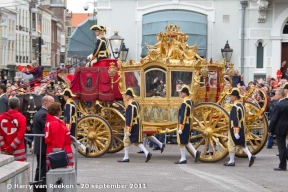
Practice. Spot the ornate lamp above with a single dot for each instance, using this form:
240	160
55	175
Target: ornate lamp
116	42
227	52
112	72
124	53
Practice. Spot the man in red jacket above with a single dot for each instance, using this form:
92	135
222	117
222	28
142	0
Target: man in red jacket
12	131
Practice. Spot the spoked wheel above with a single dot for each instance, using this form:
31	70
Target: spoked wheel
255	130
211	123
117	122
96	133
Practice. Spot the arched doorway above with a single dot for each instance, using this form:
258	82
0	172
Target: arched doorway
192	23
284	52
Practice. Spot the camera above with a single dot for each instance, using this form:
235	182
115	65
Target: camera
85	7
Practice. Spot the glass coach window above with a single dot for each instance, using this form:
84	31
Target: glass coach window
155	83
178	79
133	80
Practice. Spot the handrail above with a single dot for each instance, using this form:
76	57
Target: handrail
75	143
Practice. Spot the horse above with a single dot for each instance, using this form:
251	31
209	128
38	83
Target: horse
30	104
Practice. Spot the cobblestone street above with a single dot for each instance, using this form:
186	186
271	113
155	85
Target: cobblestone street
161	174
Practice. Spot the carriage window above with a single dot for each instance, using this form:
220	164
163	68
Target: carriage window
212	79
179	79
133	80
155	82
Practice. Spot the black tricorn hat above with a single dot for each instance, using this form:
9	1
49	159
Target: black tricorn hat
130	92
50	86
286	86
185	89
235	92
68	92
96	27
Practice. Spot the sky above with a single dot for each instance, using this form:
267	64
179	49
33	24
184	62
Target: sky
76	6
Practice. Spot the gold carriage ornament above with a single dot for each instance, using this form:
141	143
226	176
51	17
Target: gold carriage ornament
170	64
112	72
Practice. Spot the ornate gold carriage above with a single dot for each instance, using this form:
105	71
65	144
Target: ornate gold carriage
170	64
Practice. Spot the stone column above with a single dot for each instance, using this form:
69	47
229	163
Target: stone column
276	55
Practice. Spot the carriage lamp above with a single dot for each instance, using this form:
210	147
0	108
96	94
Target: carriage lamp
124	53
112	72
116	43
227	52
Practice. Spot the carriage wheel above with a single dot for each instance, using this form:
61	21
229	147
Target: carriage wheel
117	122
211	122
255	130
86	108
96	133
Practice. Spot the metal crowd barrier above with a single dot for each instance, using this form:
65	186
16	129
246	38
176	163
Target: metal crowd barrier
73	141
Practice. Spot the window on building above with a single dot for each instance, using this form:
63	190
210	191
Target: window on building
10	26
285	30
12	49
9	51
260	55
69	31
13	27
33	22
53	35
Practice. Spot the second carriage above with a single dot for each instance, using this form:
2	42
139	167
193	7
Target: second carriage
169	65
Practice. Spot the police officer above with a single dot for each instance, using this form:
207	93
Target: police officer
185	115
236	136
100	51
70	113
133	129
50	89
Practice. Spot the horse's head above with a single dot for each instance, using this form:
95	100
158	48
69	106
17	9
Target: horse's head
29	105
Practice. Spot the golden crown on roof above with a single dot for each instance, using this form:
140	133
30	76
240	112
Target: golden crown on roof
172	28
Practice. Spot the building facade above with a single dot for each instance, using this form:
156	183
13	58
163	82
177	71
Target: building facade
8	40
209	24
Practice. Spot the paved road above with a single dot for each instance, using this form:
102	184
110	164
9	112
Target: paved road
161	174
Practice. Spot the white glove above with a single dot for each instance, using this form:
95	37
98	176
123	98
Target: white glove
128	133
237	136
180	131
89	56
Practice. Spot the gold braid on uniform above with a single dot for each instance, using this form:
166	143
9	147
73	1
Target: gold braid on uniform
237	129
181	127
73	118
98	49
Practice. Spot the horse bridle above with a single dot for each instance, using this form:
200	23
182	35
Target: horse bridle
29	109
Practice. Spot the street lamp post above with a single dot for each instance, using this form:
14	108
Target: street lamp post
116	43
227	53
86	7
39	47
124	53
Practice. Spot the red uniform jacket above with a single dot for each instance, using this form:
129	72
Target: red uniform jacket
57	137
12	134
